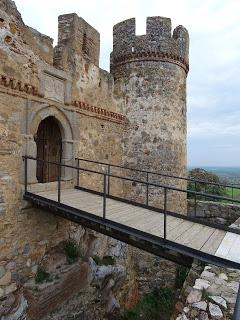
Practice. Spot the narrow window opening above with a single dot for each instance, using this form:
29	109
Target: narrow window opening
84	44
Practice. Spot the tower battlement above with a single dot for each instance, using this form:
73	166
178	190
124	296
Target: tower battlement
159	43
75	34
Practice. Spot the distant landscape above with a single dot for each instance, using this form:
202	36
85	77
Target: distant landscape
230	175
227	175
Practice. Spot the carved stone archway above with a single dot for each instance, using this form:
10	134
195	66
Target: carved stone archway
67	141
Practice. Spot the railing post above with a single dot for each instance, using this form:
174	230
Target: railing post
25	174
236	315
59	182
104	194
78	172
109	172
165	213
195	200
147	190
232	194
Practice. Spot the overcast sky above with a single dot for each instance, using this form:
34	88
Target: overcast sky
214	77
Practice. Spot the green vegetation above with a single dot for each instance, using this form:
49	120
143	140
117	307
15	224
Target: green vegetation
41	276
182	273
203	175
205	294
156	305
233	193
72	251
105	261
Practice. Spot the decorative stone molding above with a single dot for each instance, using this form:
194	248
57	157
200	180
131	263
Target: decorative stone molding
152	56
100	112
18	85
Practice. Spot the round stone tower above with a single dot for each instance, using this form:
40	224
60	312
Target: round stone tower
150	74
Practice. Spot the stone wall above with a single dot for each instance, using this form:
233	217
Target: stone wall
216	212
209	293
100	141
31	89
101	117
150	81
75	34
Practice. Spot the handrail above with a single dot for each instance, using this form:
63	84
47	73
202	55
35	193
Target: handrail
197	193
159	174
147	183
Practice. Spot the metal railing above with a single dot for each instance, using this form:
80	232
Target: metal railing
195	182
106	192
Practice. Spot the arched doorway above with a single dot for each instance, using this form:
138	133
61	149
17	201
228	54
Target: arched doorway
49	148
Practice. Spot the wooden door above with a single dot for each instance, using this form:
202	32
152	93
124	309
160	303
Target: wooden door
49	148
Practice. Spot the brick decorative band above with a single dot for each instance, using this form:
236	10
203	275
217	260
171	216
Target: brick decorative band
14	84
100	112
151	56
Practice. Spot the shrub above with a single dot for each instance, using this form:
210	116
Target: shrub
159	302
72	252
203	175
41	276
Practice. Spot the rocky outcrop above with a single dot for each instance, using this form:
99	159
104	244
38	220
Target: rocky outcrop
211	296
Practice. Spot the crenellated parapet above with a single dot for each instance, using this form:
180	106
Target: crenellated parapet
159	43
75	35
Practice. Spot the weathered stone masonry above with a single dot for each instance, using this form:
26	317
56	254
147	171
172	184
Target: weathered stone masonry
134	115
150	80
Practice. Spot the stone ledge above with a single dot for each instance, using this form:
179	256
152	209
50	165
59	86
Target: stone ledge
100	112
18	85
151	56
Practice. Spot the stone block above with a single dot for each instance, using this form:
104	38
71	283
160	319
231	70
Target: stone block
194	296
201	305
215	311
6	279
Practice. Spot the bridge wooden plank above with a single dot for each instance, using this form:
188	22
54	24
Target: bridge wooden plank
202	237
192	234
179	229
211	245
226	244
158	230
143	224
234	252
131	217
187	237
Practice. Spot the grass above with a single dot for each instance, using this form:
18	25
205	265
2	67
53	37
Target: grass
105	261
182	273
72	252
205	295
235	193
41	276
156	305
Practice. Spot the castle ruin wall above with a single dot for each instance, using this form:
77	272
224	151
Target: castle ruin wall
110	117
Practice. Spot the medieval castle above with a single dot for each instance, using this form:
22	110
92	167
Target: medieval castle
56	104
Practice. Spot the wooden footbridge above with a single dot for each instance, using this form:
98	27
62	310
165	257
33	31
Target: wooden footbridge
167	234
